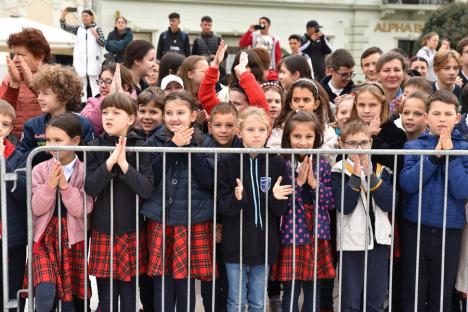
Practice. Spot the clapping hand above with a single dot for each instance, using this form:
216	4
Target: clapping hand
238	190
182	136
281	191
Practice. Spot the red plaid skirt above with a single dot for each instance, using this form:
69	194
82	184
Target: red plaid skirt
67	271
201	253
283	269
124	266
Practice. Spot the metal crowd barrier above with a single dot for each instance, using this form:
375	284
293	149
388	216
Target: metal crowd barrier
217	152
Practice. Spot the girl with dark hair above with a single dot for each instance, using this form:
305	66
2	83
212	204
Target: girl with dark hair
309	96
139	58
420	64
179	131
292	68
118	40
106	80
114	181
58	197
305	130
169	65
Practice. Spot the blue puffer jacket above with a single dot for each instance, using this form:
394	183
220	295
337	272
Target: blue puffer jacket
34	132
177	182
433	184
16	203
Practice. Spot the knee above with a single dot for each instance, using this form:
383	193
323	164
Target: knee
45	297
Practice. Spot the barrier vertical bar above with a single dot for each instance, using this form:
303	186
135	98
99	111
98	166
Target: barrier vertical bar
163	279
340	263
30	231
241	217
293	282
111	277
366	250
189	230
3	194
137	238
316	208
444	232
418	236
59	212
390	284
267	188
215	196
85	208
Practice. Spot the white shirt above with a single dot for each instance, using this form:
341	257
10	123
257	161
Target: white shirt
69	169
335	90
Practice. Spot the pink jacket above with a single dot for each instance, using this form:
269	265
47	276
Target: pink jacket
92	111
44	199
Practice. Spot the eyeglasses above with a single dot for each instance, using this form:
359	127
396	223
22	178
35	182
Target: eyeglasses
106	81
356	144
346	75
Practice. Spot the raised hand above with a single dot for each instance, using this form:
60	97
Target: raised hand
364	162
15	76
311	180
26	72
242	66
303	171
116	85
54	175
182	136
281	191
114	157
219	54
238	190
374	126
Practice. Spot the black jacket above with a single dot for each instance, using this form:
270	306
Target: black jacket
126	186
331	96
389	137
177	42
253	205
202	182
316	50
206	44
116	44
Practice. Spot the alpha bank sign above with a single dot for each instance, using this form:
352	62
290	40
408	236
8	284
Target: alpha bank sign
401	27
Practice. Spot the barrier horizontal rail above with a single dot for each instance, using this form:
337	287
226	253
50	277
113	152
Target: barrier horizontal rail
217	151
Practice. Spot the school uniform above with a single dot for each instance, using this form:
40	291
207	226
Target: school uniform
356	221
176	267
58	274
389	137
126	187
305	240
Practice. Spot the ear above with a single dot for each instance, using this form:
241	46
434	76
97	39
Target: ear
76	140
296	75
189	74
193	116
131	120
340	142
209	127
458	118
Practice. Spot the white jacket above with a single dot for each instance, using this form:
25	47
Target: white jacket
352	227
87	53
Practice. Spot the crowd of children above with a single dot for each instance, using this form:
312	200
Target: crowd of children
297	221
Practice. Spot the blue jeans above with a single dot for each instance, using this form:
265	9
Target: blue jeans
253	287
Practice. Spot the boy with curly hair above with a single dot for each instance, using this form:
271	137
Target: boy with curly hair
58	91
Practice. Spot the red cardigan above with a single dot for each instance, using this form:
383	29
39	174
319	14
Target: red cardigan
207	90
